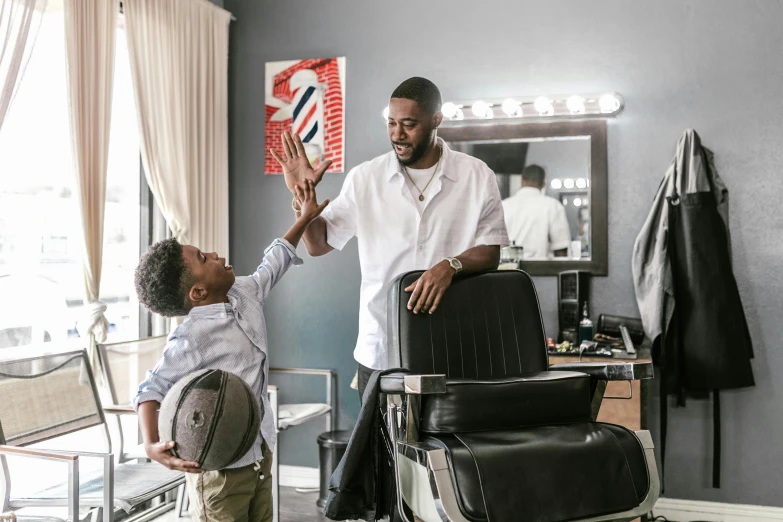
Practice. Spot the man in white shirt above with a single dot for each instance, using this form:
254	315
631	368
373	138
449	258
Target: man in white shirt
535	221
421	206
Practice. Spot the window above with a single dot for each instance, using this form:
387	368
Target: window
40	227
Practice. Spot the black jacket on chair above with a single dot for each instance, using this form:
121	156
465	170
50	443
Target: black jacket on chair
362	486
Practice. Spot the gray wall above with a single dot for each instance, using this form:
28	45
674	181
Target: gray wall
712	65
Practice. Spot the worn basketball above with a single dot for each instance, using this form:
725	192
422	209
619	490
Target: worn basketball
213	416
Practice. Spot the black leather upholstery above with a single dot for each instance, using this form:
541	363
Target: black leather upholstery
535	399
465	472
518	438
487	326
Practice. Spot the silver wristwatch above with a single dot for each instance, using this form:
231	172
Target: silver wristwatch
454	263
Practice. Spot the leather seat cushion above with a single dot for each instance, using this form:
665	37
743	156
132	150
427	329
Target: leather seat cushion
533	399
604	463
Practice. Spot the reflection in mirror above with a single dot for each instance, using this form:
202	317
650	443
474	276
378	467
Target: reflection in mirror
545	184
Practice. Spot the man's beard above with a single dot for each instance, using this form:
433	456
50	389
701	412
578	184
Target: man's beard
417	153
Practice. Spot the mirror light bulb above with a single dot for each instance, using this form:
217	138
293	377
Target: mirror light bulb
543	106
449	110
386	114
557	184
512	107
609	103
576	105
577	202
581	183
568	183
482	110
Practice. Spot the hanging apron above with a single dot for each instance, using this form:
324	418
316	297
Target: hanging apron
708	345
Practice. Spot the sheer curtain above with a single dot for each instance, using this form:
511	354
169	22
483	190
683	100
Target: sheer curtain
90	27
19	24
179	60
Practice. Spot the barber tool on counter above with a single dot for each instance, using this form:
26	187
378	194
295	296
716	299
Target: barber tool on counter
615	336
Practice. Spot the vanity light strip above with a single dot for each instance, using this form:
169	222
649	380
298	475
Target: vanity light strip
538	108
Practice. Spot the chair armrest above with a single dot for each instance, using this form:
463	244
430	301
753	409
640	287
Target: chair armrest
609	371
412	384
90	454
72	460
119	409
37	453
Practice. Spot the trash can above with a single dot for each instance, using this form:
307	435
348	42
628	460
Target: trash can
331	448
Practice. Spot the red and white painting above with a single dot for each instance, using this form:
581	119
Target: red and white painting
307	97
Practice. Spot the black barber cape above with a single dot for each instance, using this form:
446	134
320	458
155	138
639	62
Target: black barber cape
362	486
704	343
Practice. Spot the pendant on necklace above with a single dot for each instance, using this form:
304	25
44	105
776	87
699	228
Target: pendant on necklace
421	197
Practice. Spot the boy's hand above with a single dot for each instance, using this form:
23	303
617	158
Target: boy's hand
309	209
161	452
296	166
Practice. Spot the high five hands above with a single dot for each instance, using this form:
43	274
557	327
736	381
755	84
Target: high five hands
296	166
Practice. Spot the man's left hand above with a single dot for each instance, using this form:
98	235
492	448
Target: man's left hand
428	290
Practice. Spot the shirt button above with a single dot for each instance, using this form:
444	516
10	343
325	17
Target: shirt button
421	247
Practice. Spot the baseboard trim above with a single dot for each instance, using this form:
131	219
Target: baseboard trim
299	477
677	510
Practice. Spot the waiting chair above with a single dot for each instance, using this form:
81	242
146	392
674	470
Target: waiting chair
484	430
124	366
53	395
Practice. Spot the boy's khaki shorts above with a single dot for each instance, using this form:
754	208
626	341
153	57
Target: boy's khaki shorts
232	494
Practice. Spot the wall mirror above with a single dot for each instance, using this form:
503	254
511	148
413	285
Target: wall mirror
553	179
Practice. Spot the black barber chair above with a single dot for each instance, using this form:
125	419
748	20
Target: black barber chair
486	431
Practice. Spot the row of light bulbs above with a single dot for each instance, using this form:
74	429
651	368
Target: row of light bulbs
543	106
578	202
569	183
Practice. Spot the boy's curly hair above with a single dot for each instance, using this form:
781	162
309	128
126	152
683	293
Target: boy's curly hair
163	279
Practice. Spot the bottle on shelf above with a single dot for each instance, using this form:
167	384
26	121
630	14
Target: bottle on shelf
585	326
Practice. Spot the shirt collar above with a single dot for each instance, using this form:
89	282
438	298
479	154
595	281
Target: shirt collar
212	310
528	191
446	168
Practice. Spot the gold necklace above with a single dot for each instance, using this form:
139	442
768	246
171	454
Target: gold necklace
421	191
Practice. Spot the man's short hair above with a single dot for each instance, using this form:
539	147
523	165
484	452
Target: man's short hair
422	91
163	280
534	174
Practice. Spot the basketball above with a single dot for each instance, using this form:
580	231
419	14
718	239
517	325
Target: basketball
212	416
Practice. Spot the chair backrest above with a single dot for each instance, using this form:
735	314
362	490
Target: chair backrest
125	364
486	326
47	396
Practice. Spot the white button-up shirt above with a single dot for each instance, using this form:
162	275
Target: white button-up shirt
462	209
537	223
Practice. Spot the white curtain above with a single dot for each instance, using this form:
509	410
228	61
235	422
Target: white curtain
19	24
90	27
179	62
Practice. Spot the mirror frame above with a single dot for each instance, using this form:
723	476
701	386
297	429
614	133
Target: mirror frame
596	130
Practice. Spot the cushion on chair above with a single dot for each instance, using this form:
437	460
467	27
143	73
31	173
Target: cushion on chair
295	414
534	399
559	472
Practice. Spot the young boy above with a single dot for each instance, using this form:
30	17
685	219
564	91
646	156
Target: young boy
224	330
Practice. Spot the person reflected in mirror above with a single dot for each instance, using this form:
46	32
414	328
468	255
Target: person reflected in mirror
535	221
583	228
